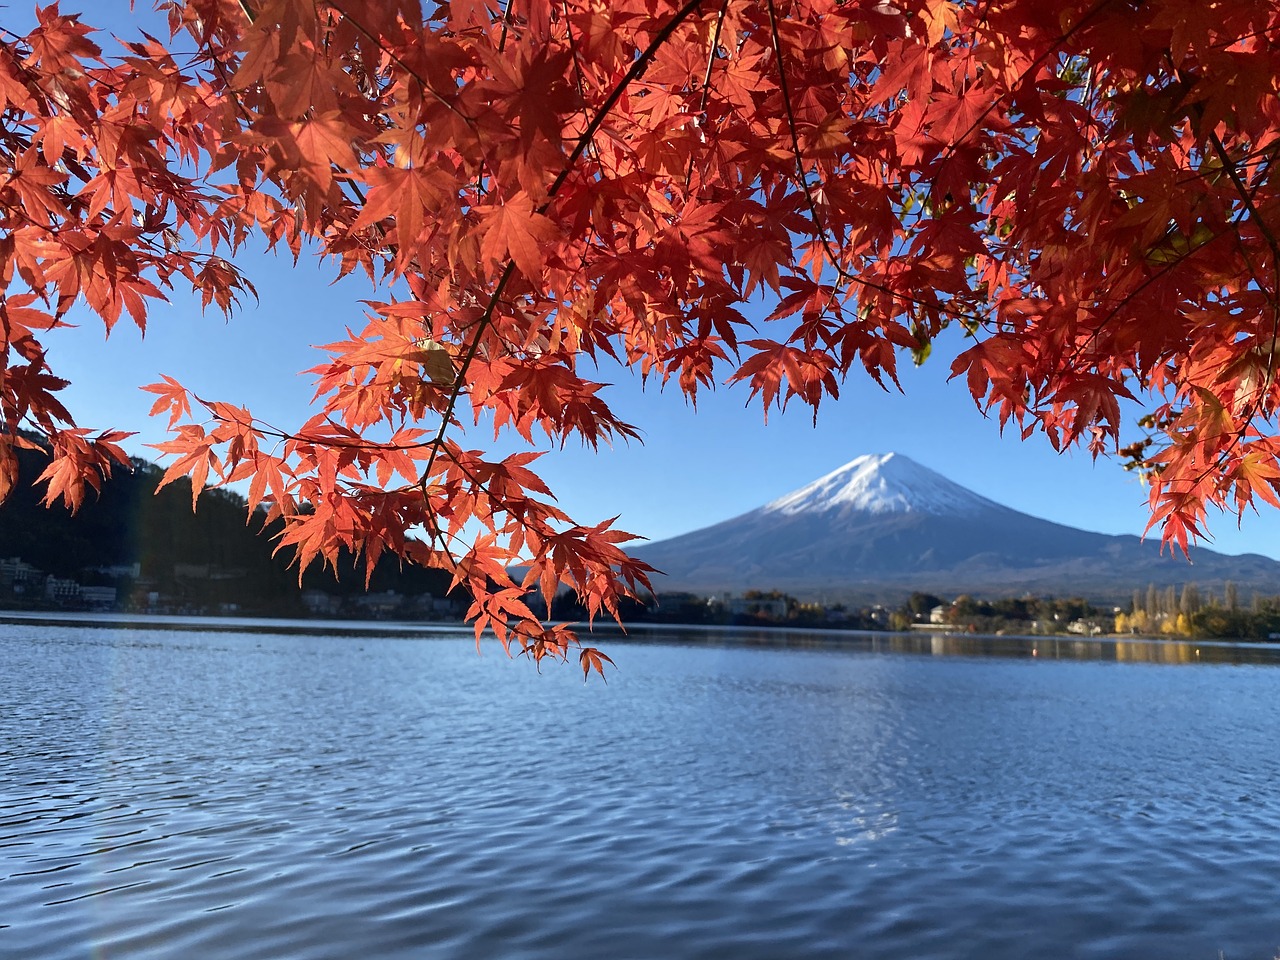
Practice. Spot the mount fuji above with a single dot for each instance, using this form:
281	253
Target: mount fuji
882	526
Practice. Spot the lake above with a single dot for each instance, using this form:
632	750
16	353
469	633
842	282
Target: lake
256	793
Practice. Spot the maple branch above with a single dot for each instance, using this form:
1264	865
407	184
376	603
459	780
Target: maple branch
458	383
946	156
802	178
1245	194
264	429
222	71
706	83
573	50
822	233
1034	65
577	70
635	71
637	68
1246	197
506	23
1224	44
422	82
439	98
1165	269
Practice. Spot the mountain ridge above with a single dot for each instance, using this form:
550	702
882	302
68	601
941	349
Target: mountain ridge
883	526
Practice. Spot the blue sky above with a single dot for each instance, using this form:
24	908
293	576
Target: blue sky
693	469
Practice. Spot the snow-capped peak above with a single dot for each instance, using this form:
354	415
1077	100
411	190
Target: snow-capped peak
881	483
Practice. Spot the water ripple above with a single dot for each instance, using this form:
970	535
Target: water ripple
256	795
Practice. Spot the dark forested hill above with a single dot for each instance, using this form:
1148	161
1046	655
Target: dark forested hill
145	542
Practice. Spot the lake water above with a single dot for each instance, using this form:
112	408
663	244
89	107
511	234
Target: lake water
171	793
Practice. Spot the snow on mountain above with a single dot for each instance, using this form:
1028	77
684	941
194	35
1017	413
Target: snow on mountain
882	526
881	483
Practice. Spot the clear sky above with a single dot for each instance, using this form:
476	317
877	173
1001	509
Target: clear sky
692	470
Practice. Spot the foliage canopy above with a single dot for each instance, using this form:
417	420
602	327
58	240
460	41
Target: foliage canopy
1085	187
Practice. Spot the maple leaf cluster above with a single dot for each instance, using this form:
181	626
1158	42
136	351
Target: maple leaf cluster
1083	188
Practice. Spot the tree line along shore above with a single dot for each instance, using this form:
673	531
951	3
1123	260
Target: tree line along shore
1184	612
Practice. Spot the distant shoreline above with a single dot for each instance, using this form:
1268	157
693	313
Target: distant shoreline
954	644
171	621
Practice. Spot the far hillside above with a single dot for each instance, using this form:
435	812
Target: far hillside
157	553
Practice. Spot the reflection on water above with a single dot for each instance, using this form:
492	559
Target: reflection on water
945	644
171	793
1062	648
920	642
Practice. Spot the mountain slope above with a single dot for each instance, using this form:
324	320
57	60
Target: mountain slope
882	526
